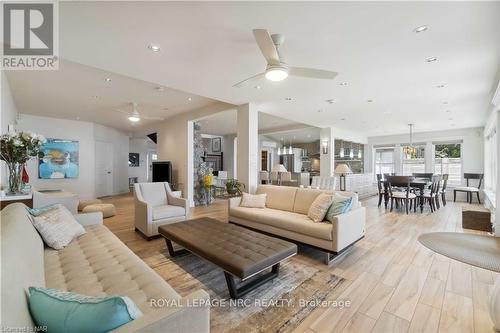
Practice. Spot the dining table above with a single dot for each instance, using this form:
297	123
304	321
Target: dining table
420	183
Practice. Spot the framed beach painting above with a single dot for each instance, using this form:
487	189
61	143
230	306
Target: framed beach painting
59	159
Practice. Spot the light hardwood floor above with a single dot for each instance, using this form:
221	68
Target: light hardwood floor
394	283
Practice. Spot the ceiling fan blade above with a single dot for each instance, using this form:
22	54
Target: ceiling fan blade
266	46
250	79
312	73
152	118
121	111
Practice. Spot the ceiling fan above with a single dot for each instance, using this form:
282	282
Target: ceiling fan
135	116
277	69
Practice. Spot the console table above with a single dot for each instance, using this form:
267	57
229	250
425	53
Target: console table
26	199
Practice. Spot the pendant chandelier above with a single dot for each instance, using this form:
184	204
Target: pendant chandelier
410	150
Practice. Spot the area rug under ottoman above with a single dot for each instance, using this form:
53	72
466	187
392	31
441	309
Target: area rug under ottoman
277	306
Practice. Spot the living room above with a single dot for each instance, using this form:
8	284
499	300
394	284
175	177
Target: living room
242	167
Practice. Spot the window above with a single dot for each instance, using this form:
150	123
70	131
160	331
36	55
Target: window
414	162
154	157
448	160
384	160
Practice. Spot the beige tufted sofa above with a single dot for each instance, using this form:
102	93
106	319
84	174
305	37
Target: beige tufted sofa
96	263
285	216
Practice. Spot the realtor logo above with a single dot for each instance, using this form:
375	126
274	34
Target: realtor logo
29	36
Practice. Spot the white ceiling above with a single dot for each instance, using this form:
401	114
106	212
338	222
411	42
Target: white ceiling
303	135
81	92
224	123
207	47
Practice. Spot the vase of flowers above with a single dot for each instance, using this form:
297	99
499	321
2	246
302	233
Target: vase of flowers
15	150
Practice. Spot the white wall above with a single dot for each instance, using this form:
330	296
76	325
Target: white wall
228	148
8	114
86	134
141	146
472	145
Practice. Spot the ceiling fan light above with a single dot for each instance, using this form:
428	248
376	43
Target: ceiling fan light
276	74
134	118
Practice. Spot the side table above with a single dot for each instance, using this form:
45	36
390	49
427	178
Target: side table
26	199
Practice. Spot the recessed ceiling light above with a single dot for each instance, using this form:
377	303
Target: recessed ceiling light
422	28
448	111
288	98
134	118
343	83
331	101
445	102
319	111
108	79
342	119
440	86
189	99
450	118
257	87
154	47
160	88
431	59
369	100
95	96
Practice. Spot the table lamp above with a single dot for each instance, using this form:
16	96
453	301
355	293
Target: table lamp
279	168
342	169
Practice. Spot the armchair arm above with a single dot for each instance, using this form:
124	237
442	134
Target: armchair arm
175	201
88	219
143	215
348	227
233	202
192	314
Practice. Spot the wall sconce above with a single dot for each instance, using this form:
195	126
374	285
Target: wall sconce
324	145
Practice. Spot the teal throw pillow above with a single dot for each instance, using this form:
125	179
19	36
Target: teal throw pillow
39	211
62	311
340	205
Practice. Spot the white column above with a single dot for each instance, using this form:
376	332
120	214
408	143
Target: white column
497	208
429	157
247	148
327	160
189	188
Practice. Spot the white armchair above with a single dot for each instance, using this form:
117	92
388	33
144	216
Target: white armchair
155	205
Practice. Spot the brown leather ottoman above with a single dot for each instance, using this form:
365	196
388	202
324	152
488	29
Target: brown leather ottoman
240	252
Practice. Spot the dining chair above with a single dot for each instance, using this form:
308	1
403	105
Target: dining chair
405	197
470	190
381	191
431	195
274	176
442	192
264	177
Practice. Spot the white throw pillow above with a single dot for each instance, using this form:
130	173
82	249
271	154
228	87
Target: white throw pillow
320	206
57	227
253	200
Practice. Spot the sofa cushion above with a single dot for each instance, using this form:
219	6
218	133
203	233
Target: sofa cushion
320	206
278	197
63	311
154	194
99	264
285	220
253	200
167	211
304	199
340	205
57	227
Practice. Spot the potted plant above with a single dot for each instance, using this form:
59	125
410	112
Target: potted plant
16	149
234	187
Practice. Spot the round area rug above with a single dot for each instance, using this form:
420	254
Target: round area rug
477	250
